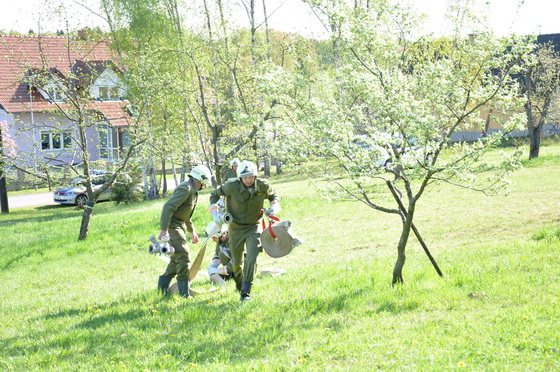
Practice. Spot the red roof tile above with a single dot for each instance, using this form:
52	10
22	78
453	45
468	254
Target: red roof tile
19	55
115	112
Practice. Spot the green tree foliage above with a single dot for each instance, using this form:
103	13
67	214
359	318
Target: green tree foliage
201	94
388	111
148	38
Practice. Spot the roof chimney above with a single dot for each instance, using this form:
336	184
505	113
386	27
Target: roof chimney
83	33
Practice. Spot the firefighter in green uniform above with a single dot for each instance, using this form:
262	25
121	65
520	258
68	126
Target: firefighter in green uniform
175	221
232	171
244	201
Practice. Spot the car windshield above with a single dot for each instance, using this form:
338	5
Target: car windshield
78	180
94	180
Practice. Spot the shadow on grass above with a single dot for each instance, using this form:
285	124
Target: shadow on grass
339	303
184	330
20	257
394	308
540	161
287	178
213	328
62	212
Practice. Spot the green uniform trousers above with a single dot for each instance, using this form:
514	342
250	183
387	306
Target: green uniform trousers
239	237
179	261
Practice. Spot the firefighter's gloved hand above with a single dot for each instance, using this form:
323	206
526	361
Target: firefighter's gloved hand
274	208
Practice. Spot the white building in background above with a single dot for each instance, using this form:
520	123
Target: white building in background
36	73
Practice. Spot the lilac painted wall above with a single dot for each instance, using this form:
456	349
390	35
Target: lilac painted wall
28	139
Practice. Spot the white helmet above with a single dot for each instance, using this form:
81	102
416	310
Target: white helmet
247	168
214	230
234	162
201	173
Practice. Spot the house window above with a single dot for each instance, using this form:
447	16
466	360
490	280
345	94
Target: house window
51	140
109	93
54	94
108	143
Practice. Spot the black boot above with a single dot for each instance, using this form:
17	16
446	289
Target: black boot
183	286
245	290
237	279
163	284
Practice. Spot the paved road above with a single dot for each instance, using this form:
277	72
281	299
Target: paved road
45	198
31	200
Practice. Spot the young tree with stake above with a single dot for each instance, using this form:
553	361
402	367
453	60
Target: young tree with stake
388	115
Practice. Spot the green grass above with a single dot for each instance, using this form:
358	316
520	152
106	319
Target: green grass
29	191
71	305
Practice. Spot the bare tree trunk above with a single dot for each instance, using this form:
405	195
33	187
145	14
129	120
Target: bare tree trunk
88	209
216	151
266	165
251	14
174	173
187	141
267	31
150	180
487	124
184	172
184	169
535	124
86	219
401	257
218	174
153	181
414	229
217	115
3	190
535	133
3	193
535	127
163	177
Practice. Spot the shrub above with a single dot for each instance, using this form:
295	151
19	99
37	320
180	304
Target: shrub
127	188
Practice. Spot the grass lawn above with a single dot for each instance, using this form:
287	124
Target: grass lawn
29	191
70	305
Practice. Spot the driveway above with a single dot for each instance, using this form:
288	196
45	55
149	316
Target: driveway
31	200
46	198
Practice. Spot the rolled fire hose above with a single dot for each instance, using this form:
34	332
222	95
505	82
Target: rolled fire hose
276	240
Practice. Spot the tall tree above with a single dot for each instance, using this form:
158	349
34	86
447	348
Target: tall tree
388	114
540	88
214	85
147	36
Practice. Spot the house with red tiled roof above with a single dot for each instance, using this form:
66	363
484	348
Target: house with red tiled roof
50	84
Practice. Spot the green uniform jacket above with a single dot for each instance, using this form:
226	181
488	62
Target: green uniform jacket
230	173
245	207
180	205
